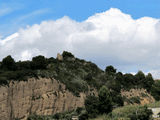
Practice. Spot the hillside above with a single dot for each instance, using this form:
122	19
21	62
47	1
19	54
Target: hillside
136	96
46	86
37	96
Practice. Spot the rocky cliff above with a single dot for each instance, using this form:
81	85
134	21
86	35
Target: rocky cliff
40	96
137	96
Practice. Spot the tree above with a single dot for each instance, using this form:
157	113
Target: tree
83	116
140	76
117	99
8	63
129	81
155	90
142	113
105	100
148	82
23	65
39	62
120	80
110	69
91	105
66	54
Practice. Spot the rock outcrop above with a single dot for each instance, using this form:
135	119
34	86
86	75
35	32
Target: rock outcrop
137	96
59	57
36	96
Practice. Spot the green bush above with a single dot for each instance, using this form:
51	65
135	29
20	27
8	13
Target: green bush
142	113
83	116
23	65
66	54
105	100
39	62
155	90
91	105
99	105
3	80
110	70
135	100
8	63
132	112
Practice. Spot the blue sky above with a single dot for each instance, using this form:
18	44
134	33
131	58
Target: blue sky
16	14
111	37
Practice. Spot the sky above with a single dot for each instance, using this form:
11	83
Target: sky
122	33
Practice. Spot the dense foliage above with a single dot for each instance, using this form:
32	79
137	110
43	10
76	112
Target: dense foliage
131	112
92	105
155	91
99	105
76	74
61	116
105	100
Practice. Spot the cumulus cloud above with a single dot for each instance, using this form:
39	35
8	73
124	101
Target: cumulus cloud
111	37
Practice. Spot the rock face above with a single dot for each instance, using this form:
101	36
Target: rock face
133	95
36	96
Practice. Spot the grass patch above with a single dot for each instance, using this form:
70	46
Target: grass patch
154	105
129	112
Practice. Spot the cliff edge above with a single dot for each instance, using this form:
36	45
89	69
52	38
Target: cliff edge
41	96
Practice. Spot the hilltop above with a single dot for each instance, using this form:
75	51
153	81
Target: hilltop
41	84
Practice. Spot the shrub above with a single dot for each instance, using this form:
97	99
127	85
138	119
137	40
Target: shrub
105	100
8	63
39	62
66	54
91	105
83	116
135	100
155	91
142	113
79	110
3	80
132	112
22	65
35	117
117	99
110	69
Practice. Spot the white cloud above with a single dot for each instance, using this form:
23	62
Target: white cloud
155	73
9	38
111	37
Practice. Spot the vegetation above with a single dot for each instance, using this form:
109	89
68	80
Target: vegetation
80	75
92	105
131	112
75	73
39	62
154	105
155	91
60	116
99	105
105	100
8	63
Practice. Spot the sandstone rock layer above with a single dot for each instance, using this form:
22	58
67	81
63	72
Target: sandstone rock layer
36	96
